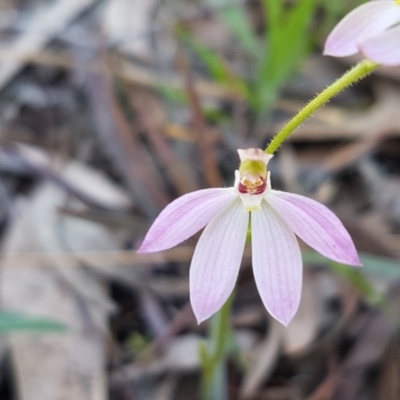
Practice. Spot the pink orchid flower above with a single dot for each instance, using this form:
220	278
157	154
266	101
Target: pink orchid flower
275	219
372	29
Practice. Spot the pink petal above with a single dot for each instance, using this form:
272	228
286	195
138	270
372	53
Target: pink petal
316	225
277	263
363	22
384	48
184	217
216	260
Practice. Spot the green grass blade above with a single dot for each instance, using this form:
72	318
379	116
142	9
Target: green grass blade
287	42
10	322
216	65
235	16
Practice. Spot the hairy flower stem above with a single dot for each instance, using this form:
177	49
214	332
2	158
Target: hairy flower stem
358	72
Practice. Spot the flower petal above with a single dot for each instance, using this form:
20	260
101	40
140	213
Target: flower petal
216	260
277	263
184	217
363	22
316	225
383	48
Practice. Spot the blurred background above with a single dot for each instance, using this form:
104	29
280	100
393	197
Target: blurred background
109	110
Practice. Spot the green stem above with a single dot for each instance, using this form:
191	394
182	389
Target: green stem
358	72
220	329
214	358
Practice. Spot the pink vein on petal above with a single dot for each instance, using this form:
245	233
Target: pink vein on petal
316	225
277	263
184	217
216	260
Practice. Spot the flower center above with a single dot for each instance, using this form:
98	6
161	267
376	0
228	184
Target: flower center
398	2
258	187
253	174
252	183
251	179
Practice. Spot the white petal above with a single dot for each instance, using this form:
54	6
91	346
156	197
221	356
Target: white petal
363	22
316	225
216	260
277	263
184	217
384	48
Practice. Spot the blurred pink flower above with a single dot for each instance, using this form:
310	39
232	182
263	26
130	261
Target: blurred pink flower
275	219
371	29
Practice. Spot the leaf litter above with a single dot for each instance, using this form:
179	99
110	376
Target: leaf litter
103	122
